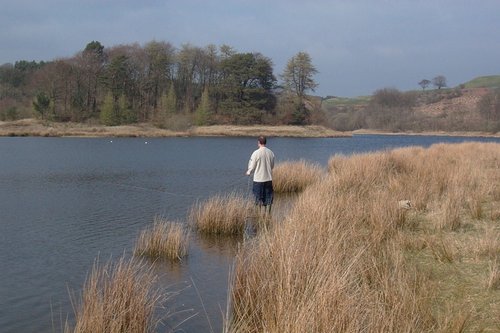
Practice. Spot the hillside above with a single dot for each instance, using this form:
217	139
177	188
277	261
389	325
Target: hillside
454	109
490	81
466	101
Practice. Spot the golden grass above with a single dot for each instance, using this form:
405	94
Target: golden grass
35	127
312	131
295	176
118	297
221	214
164	239
488	245
348	259
494	275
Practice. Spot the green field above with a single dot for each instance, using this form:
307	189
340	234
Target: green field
346	101
490	81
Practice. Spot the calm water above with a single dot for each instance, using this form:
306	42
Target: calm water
66	201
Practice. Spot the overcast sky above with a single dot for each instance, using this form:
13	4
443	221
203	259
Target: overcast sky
357	46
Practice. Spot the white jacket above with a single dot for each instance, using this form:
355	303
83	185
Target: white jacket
261	163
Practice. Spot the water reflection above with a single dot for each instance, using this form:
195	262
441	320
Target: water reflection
219	245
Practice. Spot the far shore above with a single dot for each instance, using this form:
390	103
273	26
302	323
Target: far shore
41	128
436	133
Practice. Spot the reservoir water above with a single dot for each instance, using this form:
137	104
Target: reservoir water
64	202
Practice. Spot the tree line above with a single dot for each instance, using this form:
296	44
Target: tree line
161	84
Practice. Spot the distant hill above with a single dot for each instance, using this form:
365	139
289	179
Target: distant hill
461	108
490	81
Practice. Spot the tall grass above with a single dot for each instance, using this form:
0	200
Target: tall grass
118	297
494	275
488	246
348	259
164	239
295	176
222	214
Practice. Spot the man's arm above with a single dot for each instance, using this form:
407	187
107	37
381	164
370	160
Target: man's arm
251	164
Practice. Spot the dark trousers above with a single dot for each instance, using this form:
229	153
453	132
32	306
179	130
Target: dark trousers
263	192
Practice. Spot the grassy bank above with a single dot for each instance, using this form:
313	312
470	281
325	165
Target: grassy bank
295	176
34	127
434	133
280	131
349	259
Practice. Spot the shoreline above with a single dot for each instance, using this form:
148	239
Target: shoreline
39	128
428	133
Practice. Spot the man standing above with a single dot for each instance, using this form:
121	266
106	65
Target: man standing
261	164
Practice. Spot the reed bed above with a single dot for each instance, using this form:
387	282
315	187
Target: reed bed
295	176
164	239
222	214
118	297
348	259
494	276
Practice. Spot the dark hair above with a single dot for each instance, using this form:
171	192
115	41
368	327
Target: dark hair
262	140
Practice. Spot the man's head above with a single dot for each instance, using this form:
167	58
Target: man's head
262	140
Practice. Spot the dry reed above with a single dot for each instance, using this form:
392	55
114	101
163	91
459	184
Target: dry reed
34	127
347	259
221	214
164	239
494	275
118	297
290	177
441	249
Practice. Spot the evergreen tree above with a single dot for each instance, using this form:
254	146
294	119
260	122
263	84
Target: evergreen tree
127	115
167	107
42	104
161	114
108	114
171	101
203	111
246	90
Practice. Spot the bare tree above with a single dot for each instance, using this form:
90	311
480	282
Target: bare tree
424	83
298	74
439	81
298	79
160	57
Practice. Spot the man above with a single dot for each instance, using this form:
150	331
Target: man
261	164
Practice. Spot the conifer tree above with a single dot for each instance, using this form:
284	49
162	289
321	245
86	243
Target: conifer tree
166	108
42	104
203	110
108	114
126	114
171	100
